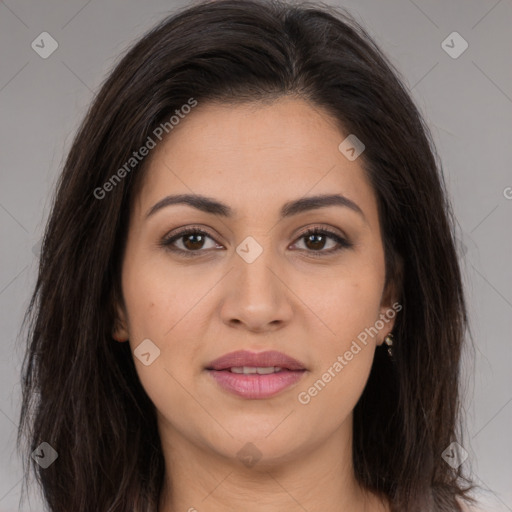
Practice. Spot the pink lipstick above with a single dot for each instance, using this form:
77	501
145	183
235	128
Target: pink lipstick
256	375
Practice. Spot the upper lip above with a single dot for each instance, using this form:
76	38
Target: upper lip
255	359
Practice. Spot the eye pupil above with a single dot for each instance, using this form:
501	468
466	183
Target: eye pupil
192	236
312	238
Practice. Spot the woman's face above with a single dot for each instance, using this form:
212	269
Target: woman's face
254	282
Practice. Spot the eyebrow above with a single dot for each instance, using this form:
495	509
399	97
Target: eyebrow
212	206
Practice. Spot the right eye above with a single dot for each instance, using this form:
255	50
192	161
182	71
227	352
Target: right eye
192	240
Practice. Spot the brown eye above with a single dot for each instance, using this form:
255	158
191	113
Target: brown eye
192	241
316	239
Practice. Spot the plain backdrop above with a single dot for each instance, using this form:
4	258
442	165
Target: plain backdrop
467	102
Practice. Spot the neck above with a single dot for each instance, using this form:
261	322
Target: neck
319	478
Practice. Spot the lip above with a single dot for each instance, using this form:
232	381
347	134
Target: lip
255	359
256	386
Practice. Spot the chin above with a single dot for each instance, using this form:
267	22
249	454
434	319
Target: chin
267	447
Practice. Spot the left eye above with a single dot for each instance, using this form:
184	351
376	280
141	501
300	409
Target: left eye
317	237
192	241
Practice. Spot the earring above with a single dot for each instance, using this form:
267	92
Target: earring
388	340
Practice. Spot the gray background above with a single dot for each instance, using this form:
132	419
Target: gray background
467	102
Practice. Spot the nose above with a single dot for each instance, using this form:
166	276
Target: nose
257	296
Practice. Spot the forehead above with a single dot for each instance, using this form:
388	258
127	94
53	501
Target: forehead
255	155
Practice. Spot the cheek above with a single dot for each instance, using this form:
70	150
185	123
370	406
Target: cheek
349	308
161	318
159	298
344	354
330	395
163	306
346	302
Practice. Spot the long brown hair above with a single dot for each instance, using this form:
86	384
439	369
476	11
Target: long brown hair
81	393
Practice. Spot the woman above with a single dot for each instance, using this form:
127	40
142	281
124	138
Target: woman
249	296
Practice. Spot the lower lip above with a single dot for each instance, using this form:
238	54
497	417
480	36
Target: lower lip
255	386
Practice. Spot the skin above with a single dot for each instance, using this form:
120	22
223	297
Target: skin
254	158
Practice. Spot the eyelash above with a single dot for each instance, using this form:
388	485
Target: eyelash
167	242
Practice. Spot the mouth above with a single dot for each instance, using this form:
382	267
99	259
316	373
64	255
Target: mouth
256	375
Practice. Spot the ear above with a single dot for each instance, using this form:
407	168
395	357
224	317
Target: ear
390	305
120	329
